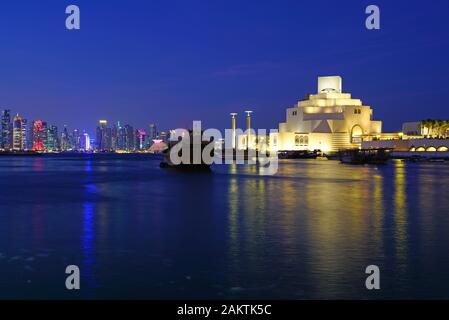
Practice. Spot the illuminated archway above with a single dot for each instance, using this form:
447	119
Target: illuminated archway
412	149
431	149
420	149
356	134
443	149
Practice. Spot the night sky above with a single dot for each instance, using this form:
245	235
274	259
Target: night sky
170	62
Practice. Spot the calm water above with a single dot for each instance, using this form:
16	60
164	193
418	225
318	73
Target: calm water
138	231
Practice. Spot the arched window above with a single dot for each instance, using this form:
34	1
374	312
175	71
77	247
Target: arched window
306	140
443	149
356	134
297	141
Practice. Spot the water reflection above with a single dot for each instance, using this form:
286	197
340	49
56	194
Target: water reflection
88	234
324	219
307	232
400	214
88	246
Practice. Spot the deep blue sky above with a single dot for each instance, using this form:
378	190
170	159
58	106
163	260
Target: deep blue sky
169	62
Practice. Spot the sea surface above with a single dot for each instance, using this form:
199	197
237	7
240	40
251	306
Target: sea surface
137	231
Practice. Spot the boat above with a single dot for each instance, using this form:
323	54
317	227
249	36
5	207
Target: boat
298	154
365	156
167	162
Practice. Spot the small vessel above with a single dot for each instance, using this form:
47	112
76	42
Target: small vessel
365	156
322	156
298	154
190	165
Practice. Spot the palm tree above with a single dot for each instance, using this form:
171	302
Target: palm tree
433	126
423	125
438	127
428	124
445	128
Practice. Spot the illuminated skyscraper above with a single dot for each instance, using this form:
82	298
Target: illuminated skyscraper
29	137
25	134
136	140
85	142
18	134
141	139
65	140
39	135
129	138
6	132
52	139
104	137
152	134
115	136
76	140
121	139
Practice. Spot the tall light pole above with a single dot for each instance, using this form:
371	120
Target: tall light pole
234	127
248	128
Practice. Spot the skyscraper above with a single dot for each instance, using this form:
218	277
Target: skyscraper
115	136
52	139
129	138
65	140
29	137
141	139
136	139
24	134
152	133
121	139
6	132
104	137
39	135
76	140
85	142
18	134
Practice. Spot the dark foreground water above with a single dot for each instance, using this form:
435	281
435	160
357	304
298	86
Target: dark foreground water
138	231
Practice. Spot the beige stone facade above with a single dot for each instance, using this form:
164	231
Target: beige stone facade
328	121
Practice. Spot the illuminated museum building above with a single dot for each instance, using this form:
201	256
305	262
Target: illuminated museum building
328	121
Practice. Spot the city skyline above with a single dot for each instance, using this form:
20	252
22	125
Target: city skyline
18	133
202	61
